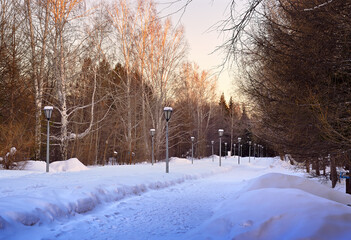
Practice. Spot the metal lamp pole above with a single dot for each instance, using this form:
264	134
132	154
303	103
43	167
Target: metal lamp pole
48	112
152	132
259	152
239	139
192	149
220	132
262	151
254	151
212	142
225	150
234	149
249	150
168	112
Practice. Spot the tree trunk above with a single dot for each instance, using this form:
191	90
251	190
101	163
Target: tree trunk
317	168
348	184
307	164
333	173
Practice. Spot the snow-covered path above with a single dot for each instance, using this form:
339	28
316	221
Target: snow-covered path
159	214
264	199
168	213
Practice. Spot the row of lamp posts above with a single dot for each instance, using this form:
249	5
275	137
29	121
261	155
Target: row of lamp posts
168	113
220	133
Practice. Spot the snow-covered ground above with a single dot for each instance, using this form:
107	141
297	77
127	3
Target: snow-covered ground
264	199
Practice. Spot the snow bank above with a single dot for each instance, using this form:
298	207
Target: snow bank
276	205
278	180
35	166
70	165
39	197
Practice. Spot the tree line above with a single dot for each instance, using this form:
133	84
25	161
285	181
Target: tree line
108	70
295	57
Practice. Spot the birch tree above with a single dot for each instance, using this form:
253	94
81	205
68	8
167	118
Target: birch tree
37	19
67	18
151	50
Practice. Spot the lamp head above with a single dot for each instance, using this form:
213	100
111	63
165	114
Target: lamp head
48	112
168	112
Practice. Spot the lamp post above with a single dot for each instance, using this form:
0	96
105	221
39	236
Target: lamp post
239	140
234	149
152	132
212	142
168	112
220	133
48	112
115	153
225	150
249	150
259	150
192	149
262	151
254	150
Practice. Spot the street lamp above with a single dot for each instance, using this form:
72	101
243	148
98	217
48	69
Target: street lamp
192	149
48	112
249	150
220	133
212	142
168	112
239	140
225	150
152	132
115	153
258	150
262	151
254	150
234	149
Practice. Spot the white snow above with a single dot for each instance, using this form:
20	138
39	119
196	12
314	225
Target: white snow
13	150
48	108
264	199
70	165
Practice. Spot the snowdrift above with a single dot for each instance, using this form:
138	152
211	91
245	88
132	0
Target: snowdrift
278	180
69	165
276	205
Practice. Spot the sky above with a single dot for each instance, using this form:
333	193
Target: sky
200	19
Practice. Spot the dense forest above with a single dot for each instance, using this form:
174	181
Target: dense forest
295	59
108	70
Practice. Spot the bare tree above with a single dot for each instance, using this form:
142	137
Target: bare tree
38	12
195	98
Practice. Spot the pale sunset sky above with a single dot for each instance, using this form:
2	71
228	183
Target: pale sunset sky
200	19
